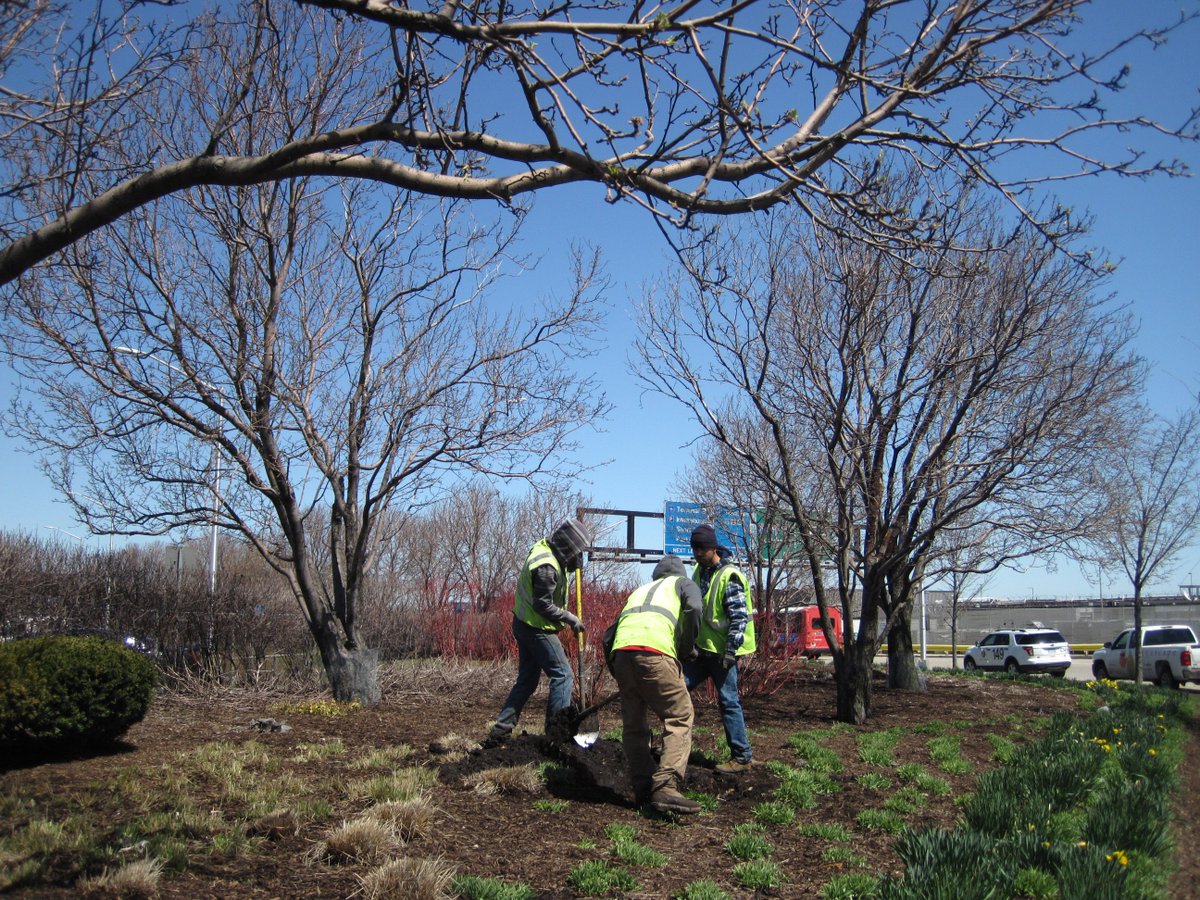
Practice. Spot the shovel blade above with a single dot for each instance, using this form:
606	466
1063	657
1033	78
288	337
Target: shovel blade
586	740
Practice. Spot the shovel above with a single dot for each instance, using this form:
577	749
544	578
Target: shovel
583	740
587	738
569	721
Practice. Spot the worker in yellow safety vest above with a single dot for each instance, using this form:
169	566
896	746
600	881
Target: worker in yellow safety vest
655	633
726	635
539	613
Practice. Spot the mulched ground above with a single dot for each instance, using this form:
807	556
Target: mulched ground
507	836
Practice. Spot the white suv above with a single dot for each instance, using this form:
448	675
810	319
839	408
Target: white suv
1021	650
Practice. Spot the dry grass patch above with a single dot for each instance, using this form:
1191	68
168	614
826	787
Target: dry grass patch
361	840
452	744
133	880
505	780
274	825
404	784
410	819
320	750
410	879
383	757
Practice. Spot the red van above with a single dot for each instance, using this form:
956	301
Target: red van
800	629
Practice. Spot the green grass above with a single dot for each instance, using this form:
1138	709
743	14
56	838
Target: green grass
799	788
635	854
875	781
829	831
206	804
708	802
851	886
1003	748
629	850
877	748
702	890
774	812
906	801
473	887
758	874
596	878
814	756
912	773
880	820
748	842
617	833
843	856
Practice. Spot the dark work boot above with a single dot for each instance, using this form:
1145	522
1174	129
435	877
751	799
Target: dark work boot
669	800
495	738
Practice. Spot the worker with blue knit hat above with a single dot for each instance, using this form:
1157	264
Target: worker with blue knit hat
726	635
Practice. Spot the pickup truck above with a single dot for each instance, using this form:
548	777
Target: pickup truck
1170	656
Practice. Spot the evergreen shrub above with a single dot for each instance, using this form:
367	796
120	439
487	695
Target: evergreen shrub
70	692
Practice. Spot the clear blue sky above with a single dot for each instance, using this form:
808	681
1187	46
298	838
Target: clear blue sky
1153	228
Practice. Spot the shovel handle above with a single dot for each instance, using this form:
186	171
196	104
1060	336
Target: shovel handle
579	608
579	637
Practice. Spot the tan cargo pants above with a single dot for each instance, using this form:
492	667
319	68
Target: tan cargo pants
652	682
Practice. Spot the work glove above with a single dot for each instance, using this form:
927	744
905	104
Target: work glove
574	621
729	660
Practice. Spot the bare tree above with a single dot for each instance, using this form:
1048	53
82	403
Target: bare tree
963	560
727	110
1153	508
721	483
338	351
892	393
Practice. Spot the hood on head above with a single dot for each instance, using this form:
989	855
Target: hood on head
569	541
669	565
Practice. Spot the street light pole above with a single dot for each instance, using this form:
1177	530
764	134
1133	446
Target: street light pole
64	531
216	464
216	488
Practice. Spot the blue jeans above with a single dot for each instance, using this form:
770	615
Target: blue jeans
707	666
538	652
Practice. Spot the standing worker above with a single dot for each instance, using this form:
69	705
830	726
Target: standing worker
726	632
539	613
656	631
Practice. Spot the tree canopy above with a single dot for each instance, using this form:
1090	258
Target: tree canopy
685	109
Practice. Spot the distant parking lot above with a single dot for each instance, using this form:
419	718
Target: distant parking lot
1080	670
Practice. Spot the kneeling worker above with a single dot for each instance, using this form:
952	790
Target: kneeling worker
655	632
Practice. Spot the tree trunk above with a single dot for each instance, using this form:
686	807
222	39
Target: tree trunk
854	684
1137	634
954	632
903	672
353	674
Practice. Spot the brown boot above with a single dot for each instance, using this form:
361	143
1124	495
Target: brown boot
733	767
669	800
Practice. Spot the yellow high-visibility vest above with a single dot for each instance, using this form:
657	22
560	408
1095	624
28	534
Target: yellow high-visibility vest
539	555
650	617
714	626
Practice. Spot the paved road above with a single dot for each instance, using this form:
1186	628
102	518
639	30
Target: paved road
1081	667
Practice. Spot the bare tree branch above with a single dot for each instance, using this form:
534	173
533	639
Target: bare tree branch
723	112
